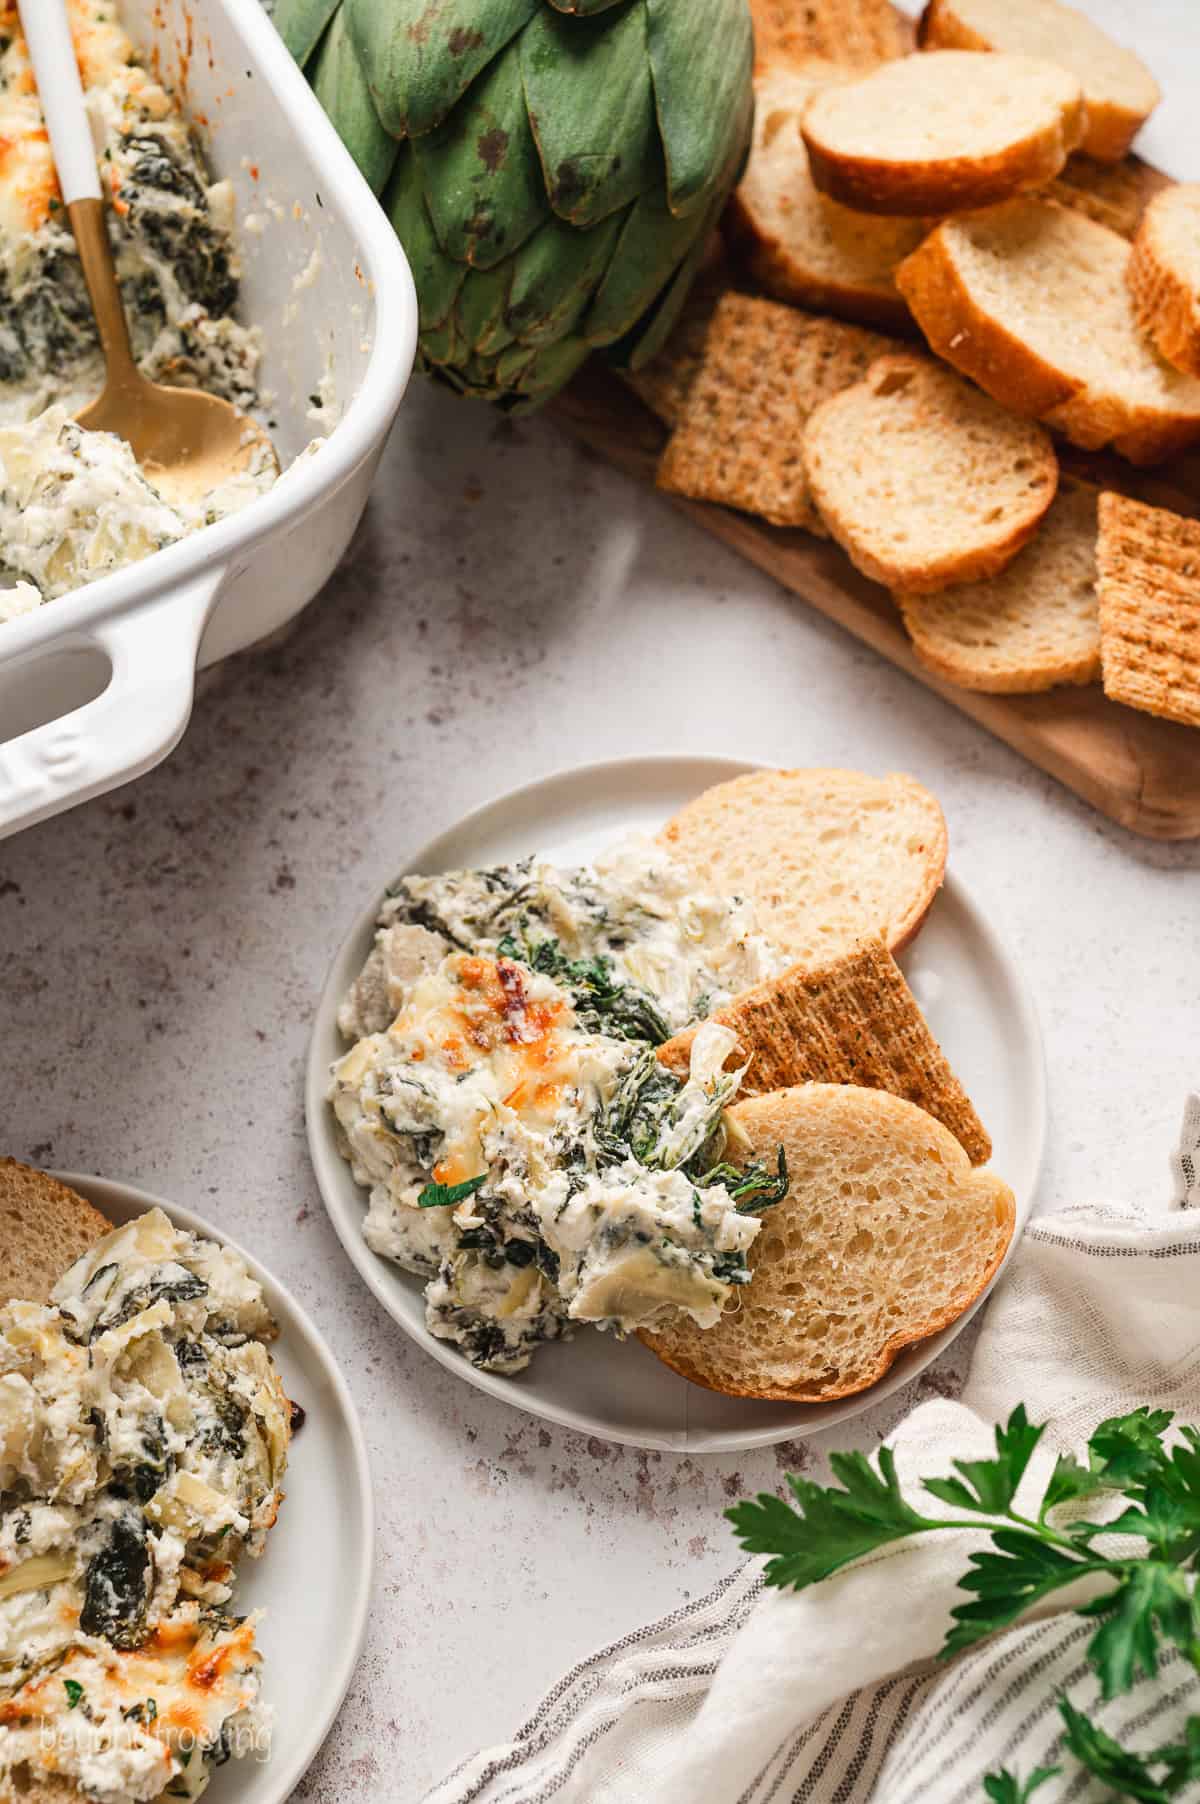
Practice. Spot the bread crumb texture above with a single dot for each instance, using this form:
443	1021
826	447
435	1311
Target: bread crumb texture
1031	301
797	244
44	1227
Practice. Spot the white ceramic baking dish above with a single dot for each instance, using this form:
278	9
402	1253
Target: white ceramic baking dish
96	688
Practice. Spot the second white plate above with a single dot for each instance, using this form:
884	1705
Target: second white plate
968	986
313	1581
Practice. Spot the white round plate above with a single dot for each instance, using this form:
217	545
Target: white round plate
313	1581
965	981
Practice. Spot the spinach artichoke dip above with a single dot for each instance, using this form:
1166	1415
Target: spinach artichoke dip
73	504
143	1437
524	1150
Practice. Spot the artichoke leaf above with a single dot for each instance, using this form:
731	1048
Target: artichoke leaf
481	310
423	55
341	87
443	344
591	106
582	8
480	170
650	333
301	24
648	336
653	242
701	55
552	367
555	276
437	280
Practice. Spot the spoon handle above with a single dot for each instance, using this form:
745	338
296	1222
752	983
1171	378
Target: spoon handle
60	91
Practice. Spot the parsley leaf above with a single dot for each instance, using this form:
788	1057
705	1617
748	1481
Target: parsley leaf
831	1527
441	1196
74	1691
1023	1570
1151	1599
990	1485
1127	1773
1005	1788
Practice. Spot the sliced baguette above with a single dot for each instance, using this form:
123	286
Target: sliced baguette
797	244
856	33
44	1228
1031	301
1149	583
886	1236
854	1022
924	481
1034	626
1164	275
1119	91
944	131
828	858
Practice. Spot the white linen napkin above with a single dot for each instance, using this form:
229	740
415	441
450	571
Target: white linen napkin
755	1696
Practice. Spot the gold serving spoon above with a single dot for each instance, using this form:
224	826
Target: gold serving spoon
186	441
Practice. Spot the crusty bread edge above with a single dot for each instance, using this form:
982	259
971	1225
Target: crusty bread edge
1076	672
773	268
943	184
971	565
889	1353
86	1217
1166	306
910	923
969	339
1109	129
1006	368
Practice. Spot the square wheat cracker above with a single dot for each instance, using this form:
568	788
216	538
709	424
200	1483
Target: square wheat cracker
666	381
857	33
854	1022
764	367
1149	587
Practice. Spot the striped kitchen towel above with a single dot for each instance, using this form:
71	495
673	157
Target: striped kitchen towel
833	1695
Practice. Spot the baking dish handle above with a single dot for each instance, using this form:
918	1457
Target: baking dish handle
128	729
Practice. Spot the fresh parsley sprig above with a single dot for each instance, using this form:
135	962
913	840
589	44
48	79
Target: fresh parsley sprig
1149	1602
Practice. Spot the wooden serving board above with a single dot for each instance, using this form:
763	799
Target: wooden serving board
1140	771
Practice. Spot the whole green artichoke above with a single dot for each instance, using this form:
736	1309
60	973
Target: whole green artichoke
553	168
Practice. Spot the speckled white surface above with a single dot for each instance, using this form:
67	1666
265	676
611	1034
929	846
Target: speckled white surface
510	606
